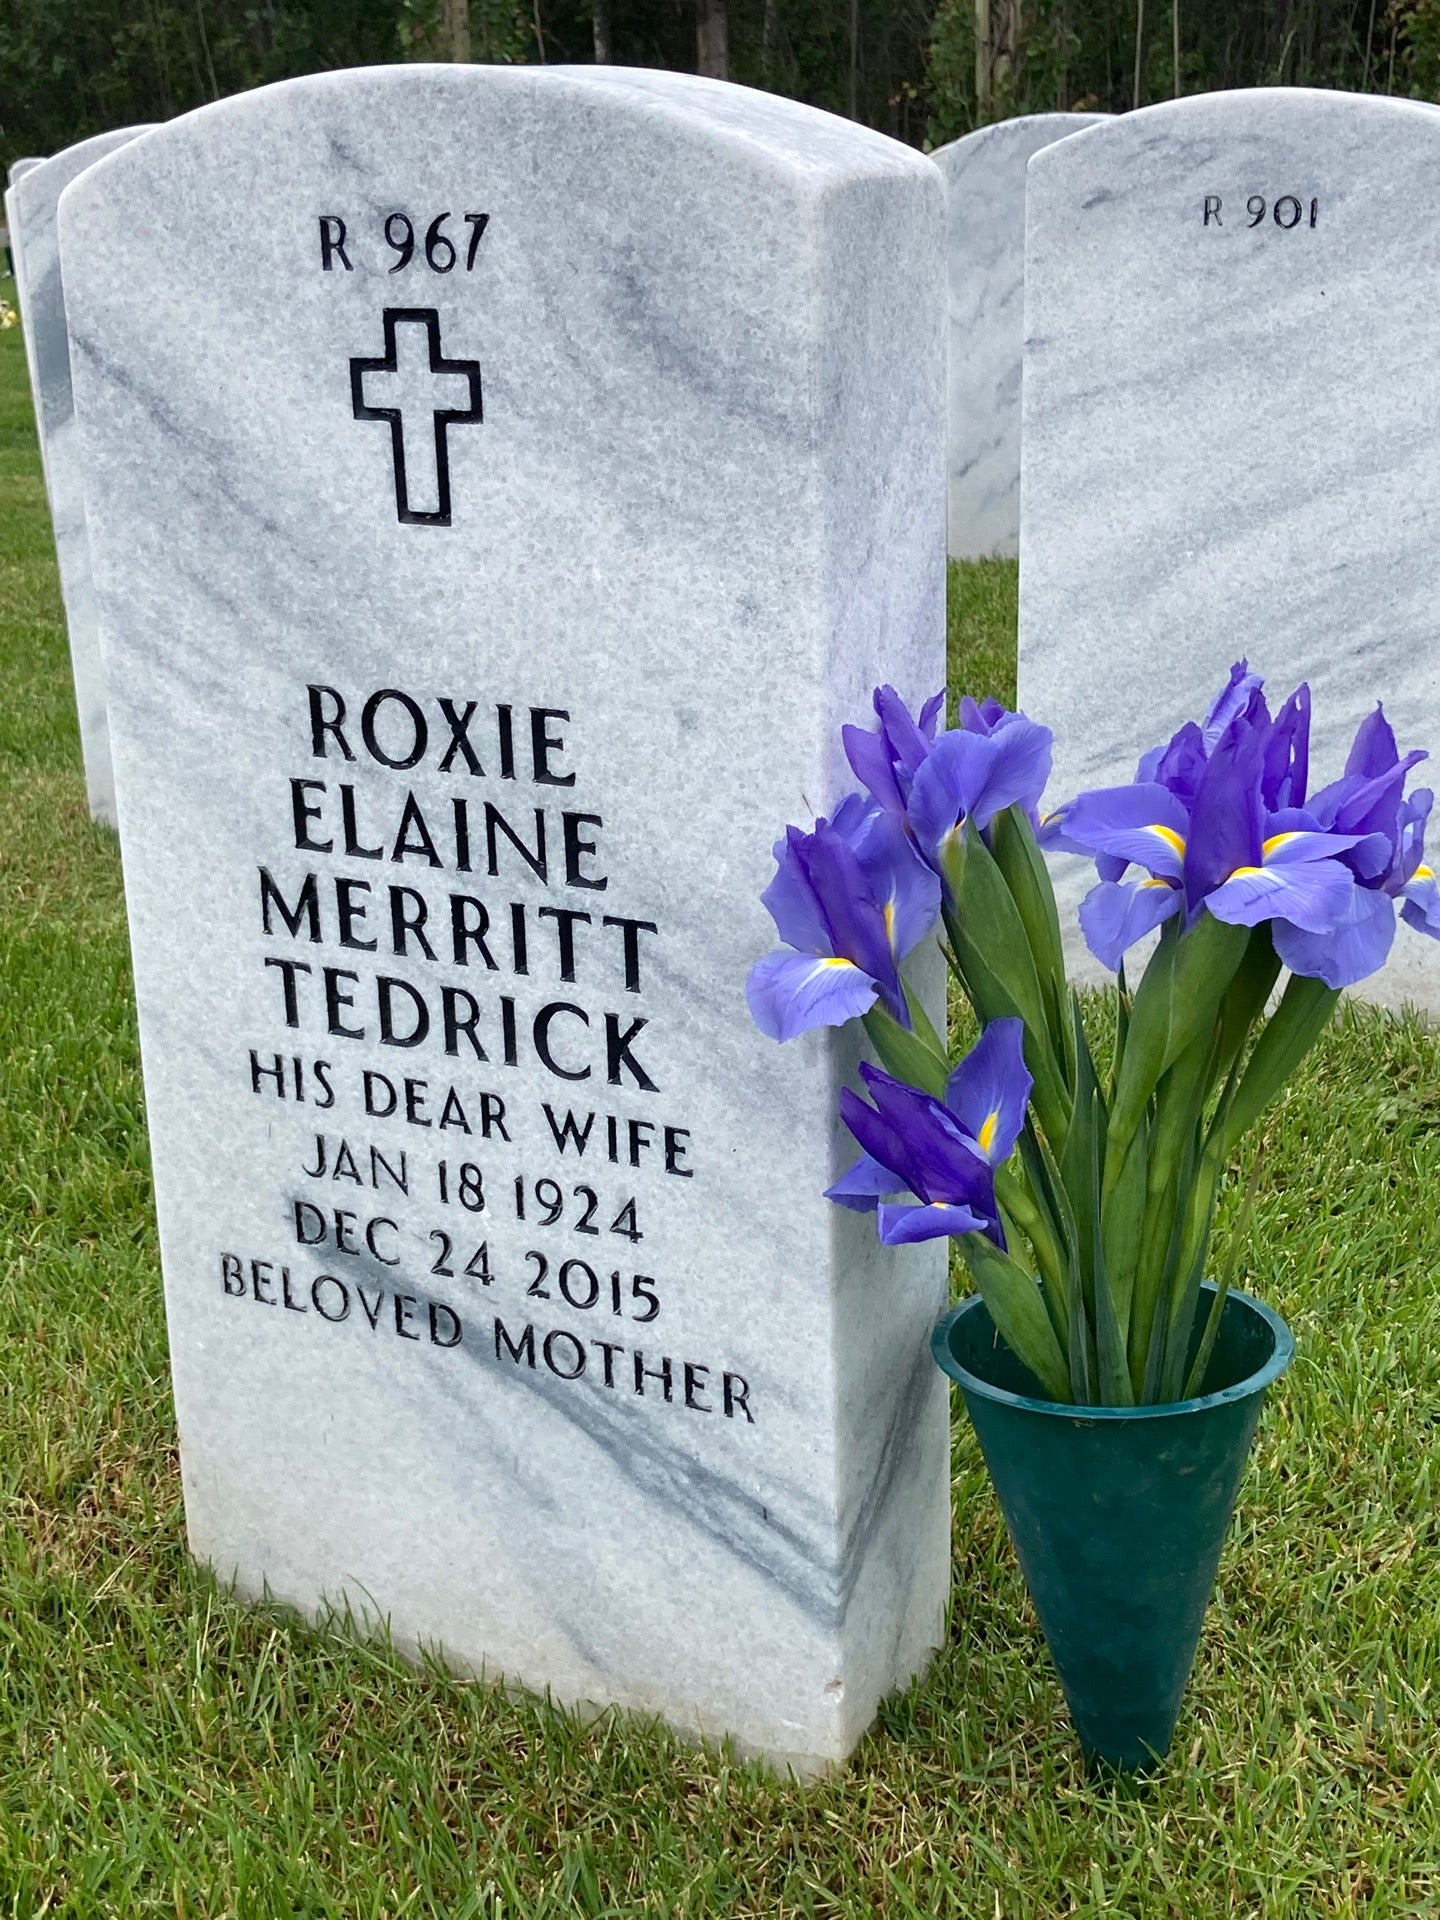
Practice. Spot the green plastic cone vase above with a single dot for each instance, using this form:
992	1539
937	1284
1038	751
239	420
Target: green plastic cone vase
1118	1515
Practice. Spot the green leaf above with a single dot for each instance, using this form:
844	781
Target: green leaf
1114	1374
1247	993
1190	1261
924	1026
1022	866
1018	1312
1177	1000
1288	1035
1122	1214
1239	1235
997	970
1080	1339
1172	1154
1083	1147
1033	1218
904	1054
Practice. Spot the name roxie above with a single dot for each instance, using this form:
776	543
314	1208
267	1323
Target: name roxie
392	729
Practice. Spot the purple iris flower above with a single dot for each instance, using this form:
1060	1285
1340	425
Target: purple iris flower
1238	699
1216	820
851	900
942	1153
1419	890
1386	859
994	759
886	759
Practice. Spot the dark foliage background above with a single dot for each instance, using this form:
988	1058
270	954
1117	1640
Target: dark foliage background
69	68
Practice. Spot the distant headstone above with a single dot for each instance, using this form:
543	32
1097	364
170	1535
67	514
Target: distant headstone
1230	387
19	168
30	211
985	264
504	482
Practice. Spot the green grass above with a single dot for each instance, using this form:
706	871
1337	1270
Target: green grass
166	1752
982	615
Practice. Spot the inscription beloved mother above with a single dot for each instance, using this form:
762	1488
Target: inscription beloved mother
357	913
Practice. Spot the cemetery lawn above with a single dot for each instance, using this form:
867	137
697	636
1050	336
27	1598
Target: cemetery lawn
166	1752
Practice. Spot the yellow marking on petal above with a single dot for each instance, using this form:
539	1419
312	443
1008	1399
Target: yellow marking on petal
988	1129
838	963
1422	872
1152	882
1275	842
1169	836
1246	873
890	923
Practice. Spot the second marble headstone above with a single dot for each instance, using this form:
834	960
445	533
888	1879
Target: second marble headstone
1230	393
504	484
30	207
985	275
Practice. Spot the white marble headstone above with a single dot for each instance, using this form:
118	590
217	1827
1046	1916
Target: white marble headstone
985	266
30	207
19	168
504	483
1231	385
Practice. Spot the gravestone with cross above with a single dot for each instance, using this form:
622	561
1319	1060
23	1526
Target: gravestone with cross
1228	442
985	273
30	209
451	740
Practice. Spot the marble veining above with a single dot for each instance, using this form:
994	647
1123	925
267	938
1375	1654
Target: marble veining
1228	446
30	203
985	271
701	516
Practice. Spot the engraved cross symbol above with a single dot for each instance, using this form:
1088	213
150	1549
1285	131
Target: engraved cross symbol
428	395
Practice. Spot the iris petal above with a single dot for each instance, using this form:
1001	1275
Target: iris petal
872	765
1292	845
908	741
1315	895
988	1091
974	776
1177	766
1114	915
904	1225
789	993
1227	821
907	891
924	1144
1422	902
1373	750
1144	823
1236	698
864	1185
1348	952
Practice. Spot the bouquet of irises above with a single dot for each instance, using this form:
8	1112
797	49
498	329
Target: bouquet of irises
1082	1190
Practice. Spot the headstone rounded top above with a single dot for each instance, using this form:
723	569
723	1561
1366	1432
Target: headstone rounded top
19	168
44	180
812	137
1026	132
803	141
1214	114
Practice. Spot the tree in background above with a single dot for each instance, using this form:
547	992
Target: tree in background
923	70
